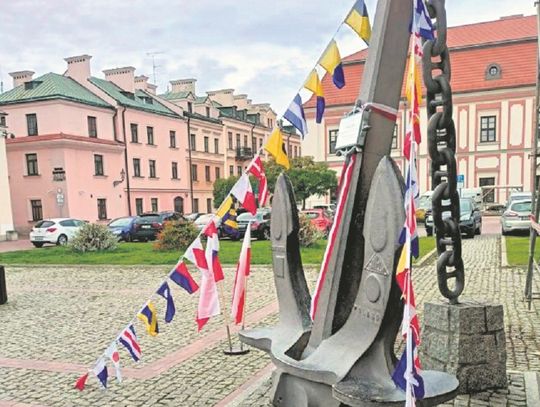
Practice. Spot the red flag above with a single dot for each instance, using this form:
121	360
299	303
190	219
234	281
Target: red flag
257	170
195	254
81	382
212	250
240	280
242	191
208	299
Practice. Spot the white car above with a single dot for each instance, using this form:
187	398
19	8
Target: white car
56	231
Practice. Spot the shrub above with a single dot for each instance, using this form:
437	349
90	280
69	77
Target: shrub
176	235
93	238
308	233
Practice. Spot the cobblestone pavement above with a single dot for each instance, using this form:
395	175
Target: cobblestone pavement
59	319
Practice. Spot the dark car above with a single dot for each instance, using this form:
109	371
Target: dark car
123	227
165	216
146	227
260	224
470	218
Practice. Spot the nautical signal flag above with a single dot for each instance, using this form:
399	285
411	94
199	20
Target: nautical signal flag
165	291
276	147
240	280
421	22
331	62
195	254
81	382
112	353
180	275
212	250
295	115
358	20
128	338
408	378
148	315
257	170
208	299
100	370
313	83
243	192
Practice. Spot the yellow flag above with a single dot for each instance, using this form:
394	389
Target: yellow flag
148	315
313	83
331	57
358	20
225	206
413	81
276	147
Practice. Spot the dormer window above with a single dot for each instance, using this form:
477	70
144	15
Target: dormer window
147	100
31	85
493	71
127	94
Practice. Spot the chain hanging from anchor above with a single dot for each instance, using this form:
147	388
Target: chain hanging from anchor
442	149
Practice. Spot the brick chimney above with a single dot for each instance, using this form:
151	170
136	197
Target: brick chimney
122	77
183	85
78	67
225	97
21	77
141	82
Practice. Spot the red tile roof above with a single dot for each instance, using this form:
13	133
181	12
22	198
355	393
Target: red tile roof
509	42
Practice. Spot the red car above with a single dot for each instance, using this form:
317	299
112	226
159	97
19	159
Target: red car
320	218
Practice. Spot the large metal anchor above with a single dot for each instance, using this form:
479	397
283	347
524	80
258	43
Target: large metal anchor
345	356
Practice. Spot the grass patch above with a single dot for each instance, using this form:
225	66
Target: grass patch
517	250
144	254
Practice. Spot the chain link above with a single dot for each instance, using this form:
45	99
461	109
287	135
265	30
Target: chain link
442	151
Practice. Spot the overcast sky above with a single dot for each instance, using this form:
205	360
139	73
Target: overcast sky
262	48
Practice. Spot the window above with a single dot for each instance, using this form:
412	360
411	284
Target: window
487	193
208	115
206	147
152	168
179	204
239	170
194	176
208	205
37	209
394	137
190	107
216	145
295	151
207	173
230	141
150	135
245	141
92	126
493	71
218	173
238	141
332	138
254	144
260	142
172	139
196	205
136	167
154	204
174	170
102	209
31	124
31	164
231	170
270	123
139	206
488	129
134	133
98	165
192	142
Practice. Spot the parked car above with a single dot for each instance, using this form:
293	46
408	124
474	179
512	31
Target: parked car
329	208
518	196
516	217
203	220
146	227
123	228
166	216
424	205
470	220
319	218
260	224
56	231
192	216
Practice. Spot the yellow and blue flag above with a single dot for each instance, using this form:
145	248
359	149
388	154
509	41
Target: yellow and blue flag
313	83
358	20
148	315
331	62
276	147
227	213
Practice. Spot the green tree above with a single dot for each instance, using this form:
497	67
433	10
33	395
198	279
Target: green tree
222	187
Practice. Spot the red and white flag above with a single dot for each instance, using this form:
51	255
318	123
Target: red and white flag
208	299
112	353
257	170
240	280
195	254
243	192
212	250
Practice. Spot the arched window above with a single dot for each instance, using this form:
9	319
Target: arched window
179	204
493	71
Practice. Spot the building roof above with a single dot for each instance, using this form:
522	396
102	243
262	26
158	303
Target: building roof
138	100
175	95
52	86
510	42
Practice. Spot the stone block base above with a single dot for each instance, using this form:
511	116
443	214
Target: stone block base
466	340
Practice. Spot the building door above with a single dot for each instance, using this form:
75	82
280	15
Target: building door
488	194
179	204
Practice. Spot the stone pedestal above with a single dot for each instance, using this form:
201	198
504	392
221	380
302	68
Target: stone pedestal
467	340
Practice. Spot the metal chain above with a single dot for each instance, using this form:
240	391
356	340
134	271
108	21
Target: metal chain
442	150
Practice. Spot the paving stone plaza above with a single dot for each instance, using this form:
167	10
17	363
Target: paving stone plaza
59	320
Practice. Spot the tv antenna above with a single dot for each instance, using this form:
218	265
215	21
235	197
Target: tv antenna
154	66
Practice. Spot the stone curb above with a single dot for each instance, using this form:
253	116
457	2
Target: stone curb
532	388
504	258
426	258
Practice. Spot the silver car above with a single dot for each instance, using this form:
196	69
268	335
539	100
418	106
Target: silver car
516	217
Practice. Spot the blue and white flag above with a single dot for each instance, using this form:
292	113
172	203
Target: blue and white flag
295	115
100	370
421	22
165	292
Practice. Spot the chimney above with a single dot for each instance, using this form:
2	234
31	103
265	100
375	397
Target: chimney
224	97
183	85
141	82
122	77
21	77
151	88
78	67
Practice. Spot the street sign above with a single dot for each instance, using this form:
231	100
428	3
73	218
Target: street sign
60	199
460	181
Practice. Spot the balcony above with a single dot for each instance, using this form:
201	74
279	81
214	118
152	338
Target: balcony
244	153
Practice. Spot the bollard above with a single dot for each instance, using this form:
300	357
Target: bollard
3	287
